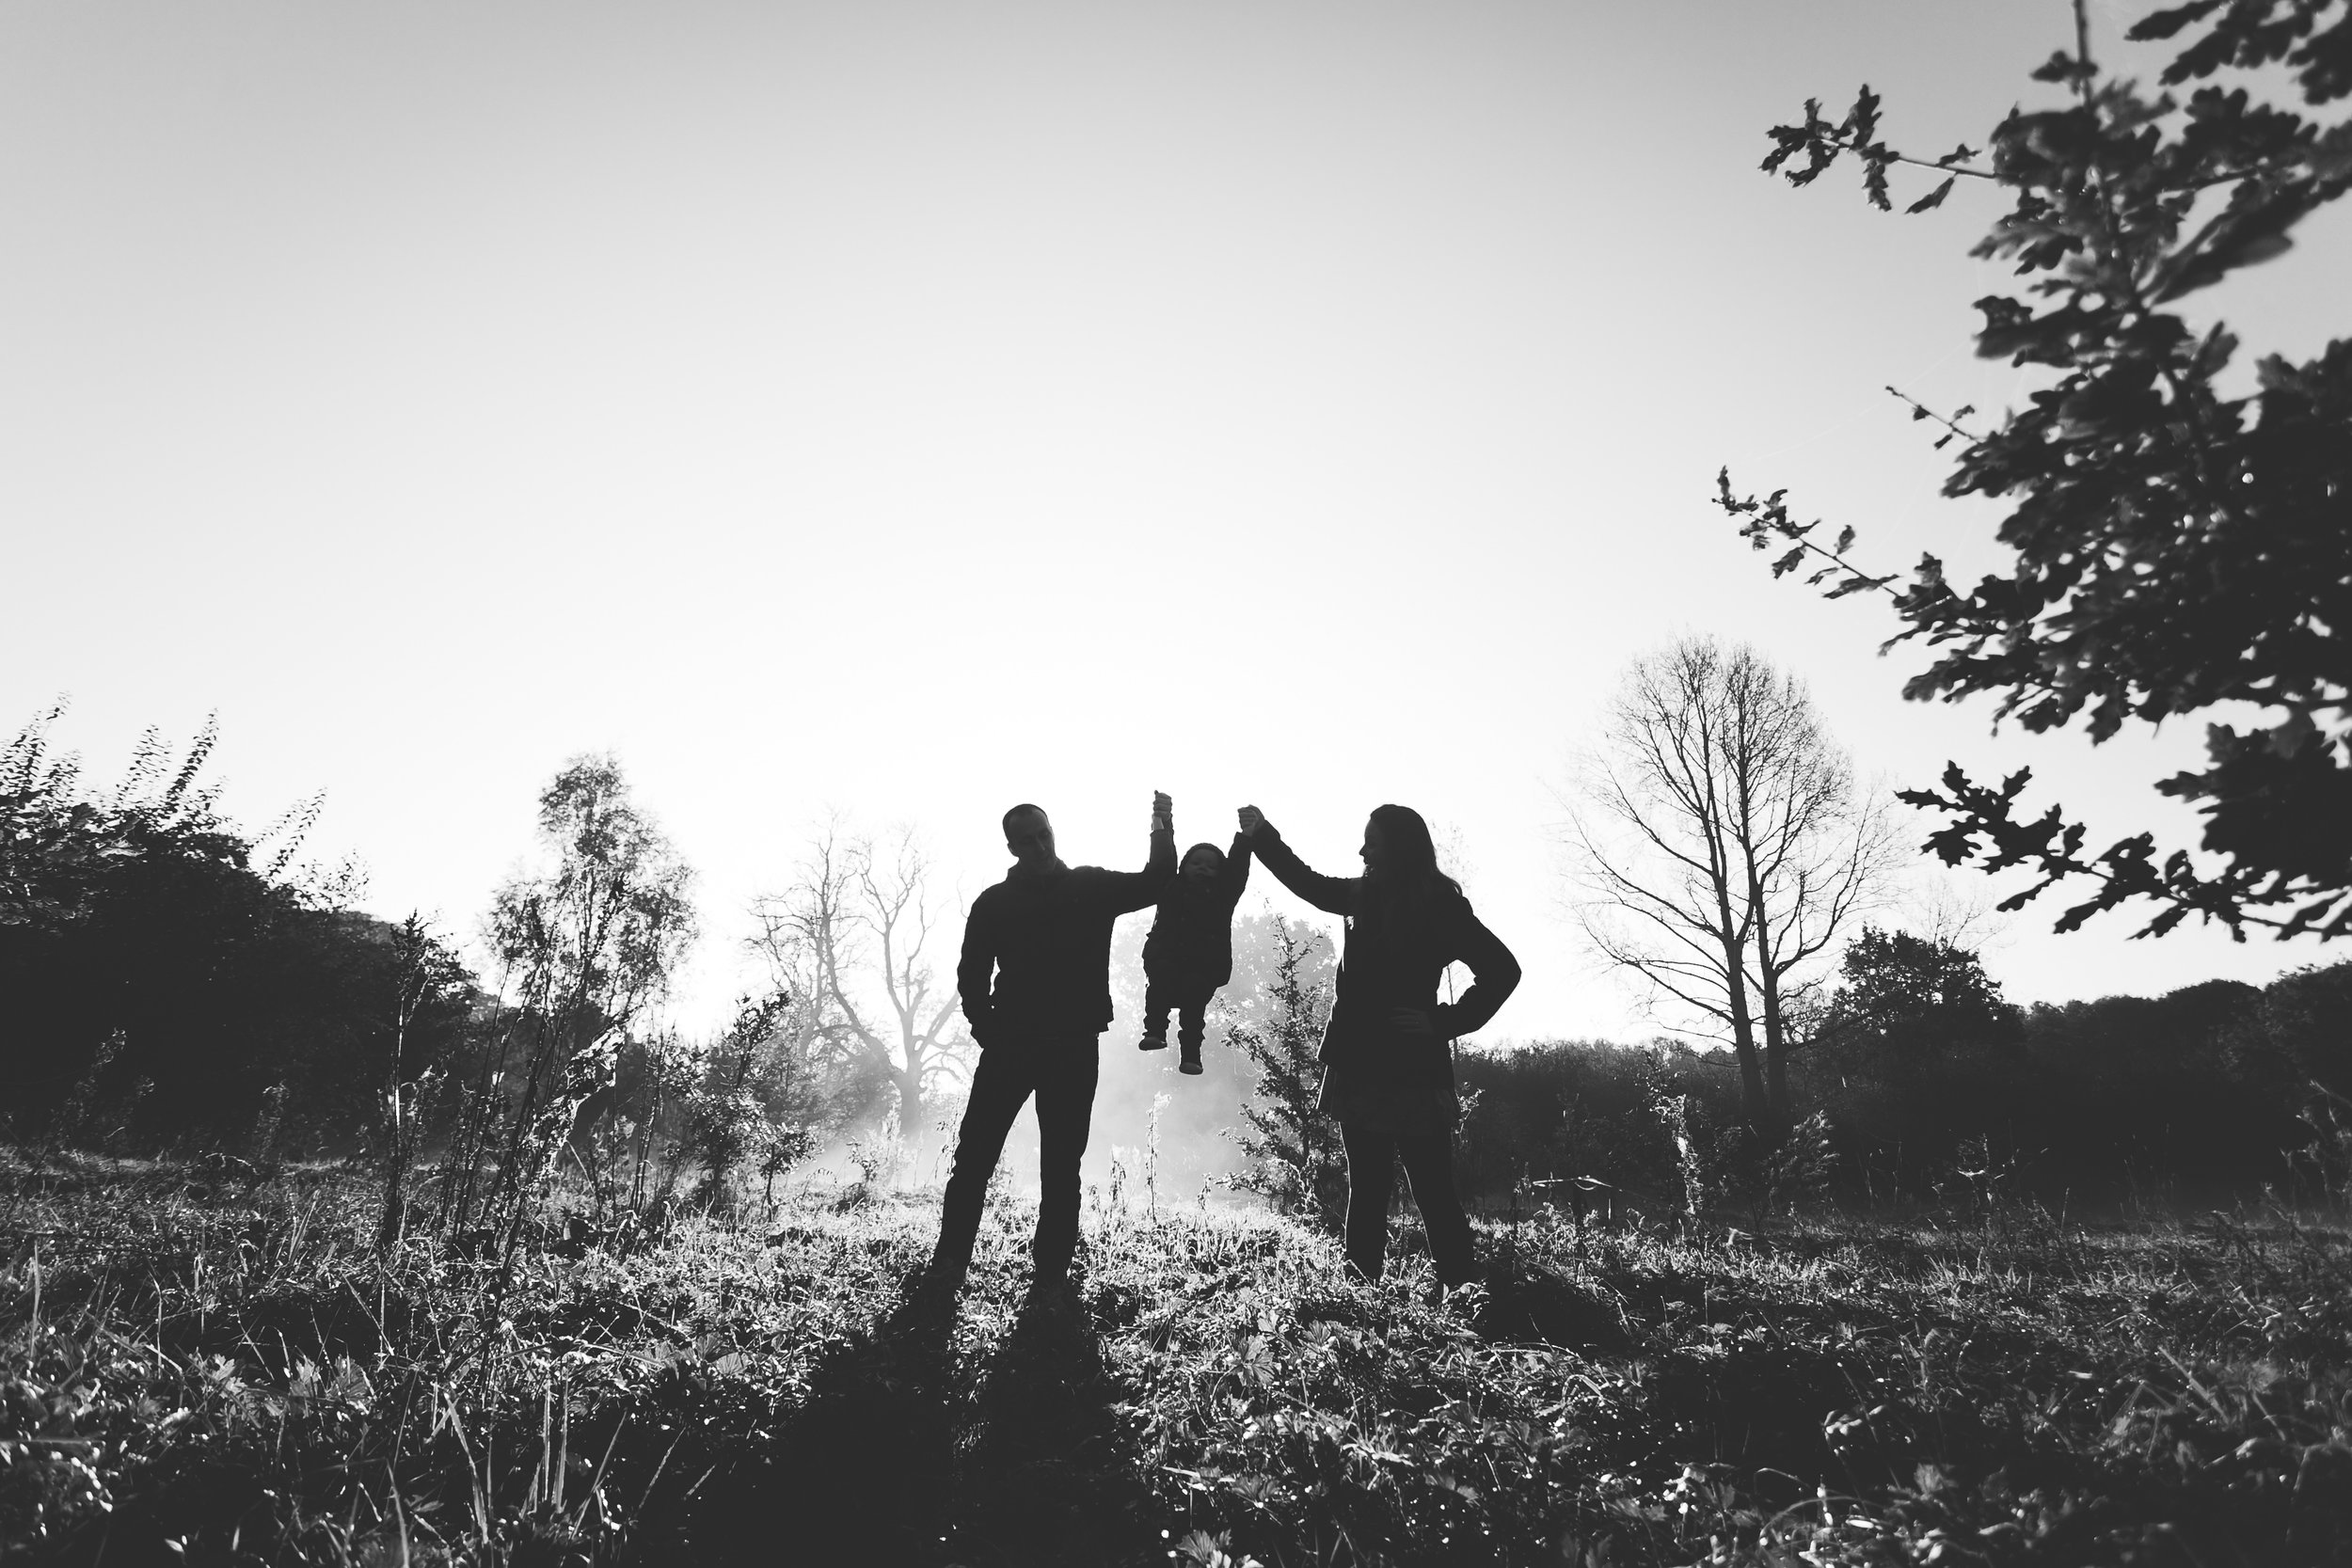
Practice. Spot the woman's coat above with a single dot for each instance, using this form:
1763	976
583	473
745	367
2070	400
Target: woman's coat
1374	1075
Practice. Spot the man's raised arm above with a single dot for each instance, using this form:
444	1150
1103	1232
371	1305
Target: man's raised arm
1139	890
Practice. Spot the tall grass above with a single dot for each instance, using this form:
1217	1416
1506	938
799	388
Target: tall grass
198	1372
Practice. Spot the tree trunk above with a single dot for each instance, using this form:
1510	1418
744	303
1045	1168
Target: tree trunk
908	1081
1775	1062
1753	1104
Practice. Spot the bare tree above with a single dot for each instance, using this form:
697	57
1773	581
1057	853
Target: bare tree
853	934
1720	842
1814	845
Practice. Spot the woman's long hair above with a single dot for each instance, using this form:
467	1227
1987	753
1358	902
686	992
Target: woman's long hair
1408	890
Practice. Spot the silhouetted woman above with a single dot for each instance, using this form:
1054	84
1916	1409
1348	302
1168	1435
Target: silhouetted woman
1388	1058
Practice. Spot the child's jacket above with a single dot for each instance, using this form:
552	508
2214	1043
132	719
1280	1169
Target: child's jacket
1191	944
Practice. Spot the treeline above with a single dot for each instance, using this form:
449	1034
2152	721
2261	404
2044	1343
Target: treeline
170	982
168	979
1918	1080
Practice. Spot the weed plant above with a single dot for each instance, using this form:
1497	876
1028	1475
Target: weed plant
205	1370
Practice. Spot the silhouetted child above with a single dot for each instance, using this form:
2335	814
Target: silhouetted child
1190	950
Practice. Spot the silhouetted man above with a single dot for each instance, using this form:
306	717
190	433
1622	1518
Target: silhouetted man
1035	979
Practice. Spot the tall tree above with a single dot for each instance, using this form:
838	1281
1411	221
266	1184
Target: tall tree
587	945
2173	549
1722	842
1922	994
855	933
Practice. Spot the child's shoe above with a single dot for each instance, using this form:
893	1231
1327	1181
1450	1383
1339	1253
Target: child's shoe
1154	1039
1190	1061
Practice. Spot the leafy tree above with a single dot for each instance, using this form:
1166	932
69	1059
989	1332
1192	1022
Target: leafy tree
2308	1021
1926	995
165	970
1916	1050
2172	548
1292	1150
756	1103
586	948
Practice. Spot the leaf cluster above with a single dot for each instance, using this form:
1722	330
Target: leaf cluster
2173	549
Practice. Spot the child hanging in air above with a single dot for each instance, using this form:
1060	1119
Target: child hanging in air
1190	950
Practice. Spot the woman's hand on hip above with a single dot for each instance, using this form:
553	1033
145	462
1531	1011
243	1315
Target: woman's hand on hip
1412	1022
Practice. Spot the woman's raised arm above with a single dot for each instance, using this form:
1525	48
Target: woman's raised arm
1332	895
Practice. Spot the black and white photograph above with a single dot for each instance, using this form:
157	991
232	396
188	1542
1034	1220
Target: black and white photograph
1173	784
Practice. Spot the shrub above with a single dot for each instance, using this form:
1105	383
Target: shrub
1292	1150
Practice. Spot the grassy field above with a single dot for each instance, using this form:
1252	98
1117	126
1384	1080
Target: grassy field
196	1372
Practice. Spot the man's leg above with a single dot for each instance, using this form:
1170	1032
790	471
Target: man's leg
1429	1167
1371	1175
999	1083
1065	1114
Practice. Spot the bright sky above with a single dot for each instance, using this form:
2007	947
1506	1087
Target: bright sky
916	407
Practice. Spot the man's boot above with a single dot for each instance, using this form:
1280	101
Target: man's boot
1188	1060
929	1301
